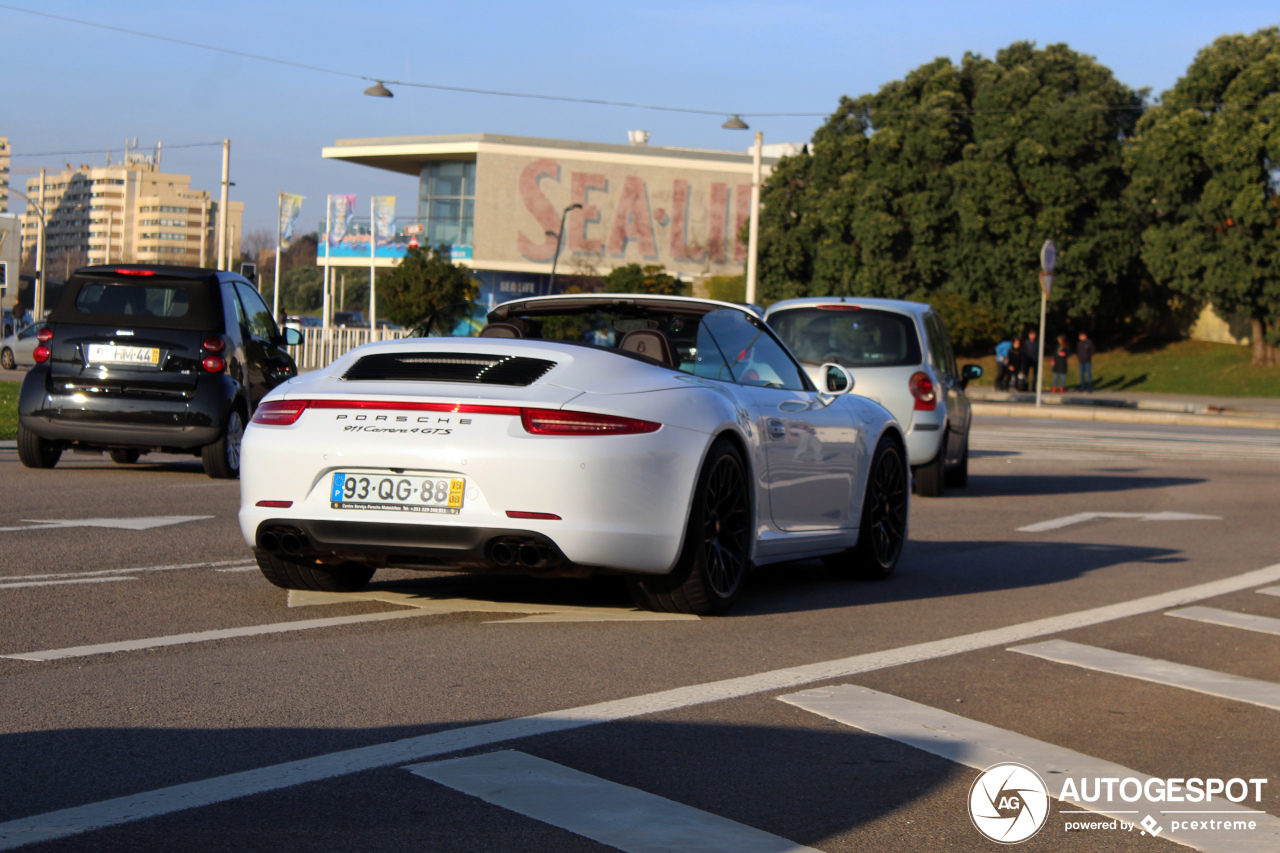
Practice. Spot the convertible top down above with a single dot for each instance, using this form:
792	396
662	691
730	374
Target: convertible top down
672	440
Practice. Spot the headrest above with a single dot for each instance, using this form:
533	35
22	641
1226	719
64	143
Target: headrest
649	342
501	330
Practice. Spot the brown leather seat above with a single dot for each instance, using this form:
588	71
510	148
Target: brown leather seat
649	342
501	330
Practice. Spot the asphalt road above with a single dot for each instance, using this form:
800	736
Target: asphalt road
540	715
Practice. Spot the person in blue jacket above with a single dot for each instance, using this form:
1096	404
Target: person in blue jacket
1002	365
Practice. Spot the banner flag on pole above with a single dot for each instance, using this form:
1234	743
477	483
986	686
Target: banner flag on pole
384	219
290	207
341	209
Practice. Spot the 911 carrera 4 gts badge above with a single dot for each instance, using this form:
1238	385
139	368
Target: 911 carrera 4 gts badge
402	424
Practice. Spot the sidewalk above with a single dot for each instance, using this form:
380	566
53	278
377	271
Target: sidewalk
1119	407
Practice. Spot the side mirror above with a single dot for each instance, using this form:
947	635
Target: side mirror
837	379
968	373
292	337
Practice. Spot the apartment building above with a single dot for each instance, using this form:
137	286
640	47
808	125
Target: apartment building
4	174
126	213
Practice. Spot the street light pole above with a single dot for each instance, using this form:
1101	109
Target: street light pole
37	301
559	239
753	230
224	258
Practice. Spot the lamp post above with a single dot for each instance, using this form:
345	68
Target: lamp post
37	299
753	230
559	239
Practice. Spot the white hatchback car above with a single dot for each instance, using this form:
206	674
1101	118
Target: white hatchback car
900	356
17	350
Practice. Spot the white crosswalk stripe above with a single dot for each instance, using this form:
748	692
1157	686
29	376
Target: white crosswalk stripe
1081	444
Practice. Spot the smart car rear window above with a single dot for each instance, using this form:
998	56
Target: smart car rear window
166	303
849	336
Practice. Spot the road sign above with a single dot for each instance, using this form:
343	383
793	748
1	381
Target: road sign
414	229
1048	256
1046	282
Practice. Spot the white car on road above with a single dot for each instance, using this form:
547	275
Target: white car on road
17	350
671	440
900	356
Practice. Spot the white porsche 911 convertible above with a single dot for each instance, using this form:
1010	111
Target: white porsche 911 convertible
674	441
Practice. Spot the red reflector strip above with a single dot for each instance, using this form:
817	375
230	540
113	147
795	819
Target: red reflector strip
558	422
135	272
512	513
276	504
380	405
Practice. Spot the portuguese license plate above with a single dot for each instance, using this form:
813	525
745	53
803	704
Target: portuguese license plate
397	492
111	354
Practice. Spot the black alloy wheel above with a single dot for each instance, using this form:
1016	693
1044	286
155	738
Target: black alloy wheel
883	530
725	527
715	559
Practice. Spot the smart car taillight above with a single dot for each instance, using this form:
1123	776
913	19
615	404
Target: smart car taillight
558	422
44	335
212	344
923	390
213	363
40	354
280	412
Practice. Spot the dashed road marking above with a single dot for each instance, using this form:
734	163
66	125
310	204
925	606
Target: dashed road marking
24	584
101	572
442	605
1068	520
208	636
980	746
75	820
620	816
148	523
1167	673
1229	619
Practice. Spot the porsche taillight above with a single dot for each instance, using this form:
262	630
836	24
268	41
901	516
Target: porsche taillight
279	412
924	392
559	422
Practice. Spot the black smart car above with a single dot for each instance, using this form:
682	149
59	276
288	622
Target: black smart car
139	358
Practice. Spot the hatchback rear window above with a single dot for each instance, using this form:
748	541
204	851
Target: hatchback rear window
158	302
849	336
132	300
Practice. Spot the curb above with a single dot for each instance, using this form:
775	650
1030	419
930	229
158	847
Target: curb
1121	416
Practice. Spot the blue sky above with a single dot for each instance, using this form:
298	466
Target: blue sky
71	87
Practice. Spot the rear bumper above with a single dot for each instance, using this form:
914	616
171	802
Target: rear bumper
186	421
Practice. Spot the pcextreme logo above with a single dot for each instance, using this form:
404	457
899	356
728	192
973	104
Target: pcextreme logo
1009	803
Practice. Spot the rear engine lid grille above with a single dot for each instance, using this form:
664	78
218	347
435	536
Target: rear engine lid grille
449	367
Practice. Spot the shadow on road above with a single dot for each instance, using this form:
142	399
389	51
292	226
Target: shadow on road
990	485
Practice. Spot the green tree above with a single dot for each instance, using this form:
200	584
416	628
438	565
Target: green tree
948	182
633	278
1205	178
424	281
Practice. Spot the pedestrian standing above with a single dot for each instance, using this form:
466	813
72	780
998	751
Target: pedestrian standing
1003	373
1085	351
1031	351
1060	357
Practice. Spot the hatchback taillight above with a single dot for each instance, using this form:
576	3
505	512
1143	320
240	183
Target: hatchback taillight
213	363
280	412
922	389
558	422
40	354
44	335
214	344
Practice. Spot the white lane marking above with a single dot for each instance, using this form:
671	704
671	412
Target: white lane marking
162	801
252	567
207	636
1068	520
1101	444
1270	590
60	583
1168	673
99	572
540	612
620	816
979	746
148	523
1229	619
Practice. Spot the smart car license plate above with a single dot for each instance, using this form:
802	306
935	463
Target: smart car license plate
397	492
111	354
